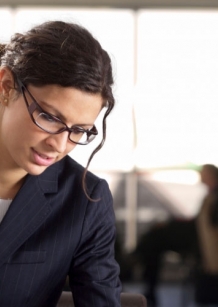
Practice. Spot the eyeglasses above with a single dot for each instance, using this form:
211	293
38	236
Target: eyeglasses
52	124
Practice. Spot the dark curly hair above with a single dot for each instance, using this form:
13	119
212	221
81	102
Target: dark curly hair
64	54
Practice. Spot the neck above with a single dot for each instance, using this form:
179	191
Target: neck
10	182
11	175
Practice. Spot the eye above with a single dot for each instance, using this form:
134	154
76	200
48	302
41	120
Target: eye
47	117
78	130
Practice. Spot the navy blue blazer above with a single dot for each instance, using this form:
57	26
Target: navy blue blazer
52	230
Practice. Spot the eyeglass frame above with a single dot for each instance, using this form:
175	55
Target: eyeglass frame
34	106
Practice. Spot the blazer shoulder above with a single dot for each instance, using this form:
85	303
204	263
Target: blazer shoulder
69	168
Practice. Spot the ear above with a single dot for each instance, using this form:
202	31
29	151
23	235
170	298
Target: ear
6	81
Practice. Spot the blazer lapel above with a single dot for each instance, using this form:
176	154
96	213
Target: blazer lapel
27	212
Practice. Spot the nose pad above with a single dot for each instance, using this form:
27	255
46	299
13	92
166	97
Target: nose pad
58	141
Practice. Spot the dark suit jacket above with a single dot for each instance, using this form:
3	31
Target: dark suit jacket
52	230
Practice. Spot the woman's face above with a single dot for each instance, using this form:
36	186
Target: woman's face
25	146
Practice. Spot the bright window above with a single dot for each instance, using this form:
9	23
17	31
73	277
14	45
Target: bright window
173	57
177	92
6	24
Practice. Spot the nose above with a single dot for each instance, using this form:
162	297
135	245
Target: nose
58	141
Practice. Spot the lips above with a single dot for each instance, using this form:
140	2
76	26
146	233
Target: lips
43	156
42	159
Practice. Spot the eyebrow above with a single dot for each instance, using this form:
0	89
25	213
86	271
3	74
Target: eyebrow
56	112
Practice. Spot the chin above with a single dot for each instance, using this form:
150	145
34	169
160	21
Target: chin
36	170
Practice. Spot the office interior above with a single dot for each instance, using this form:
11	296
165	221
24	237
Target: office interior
164	125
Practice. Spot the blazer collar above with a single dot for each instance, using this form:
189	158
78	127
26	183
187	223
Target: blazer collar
28	211
48	180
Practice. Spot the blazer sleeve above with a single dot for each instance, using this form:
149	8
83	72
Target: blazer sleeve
94	273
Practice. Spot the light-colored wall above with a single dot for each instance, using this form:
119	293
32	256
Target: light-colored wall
115	3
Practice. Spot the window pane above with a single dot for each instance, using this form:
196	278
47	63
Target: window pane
177	92
5	24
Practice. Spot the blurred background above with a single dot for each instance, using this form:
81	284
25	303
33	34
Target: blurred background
164	125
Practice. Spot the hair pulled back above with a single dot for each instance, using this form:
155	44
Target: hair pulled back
64	54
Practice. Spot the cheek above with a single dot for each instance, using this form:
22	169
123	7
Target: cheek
70	146
14	119
18	130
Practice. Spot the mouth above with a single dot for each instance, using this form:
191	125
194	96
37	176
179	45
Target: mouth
42	159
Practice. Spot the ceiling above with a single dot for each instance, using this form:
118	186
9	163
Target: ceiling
133	4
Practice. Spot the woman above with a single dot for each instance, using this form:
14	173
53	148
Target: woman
57	219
